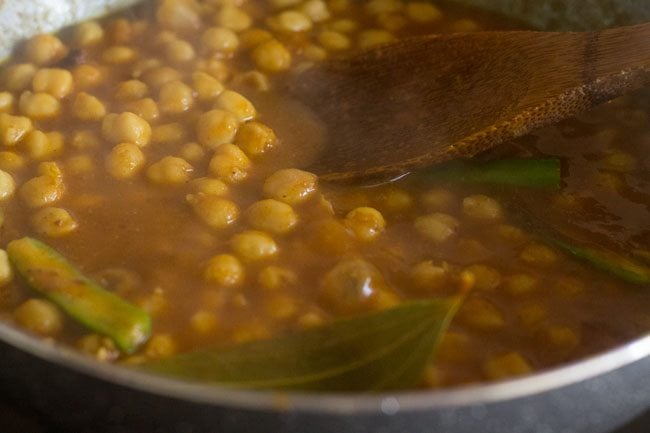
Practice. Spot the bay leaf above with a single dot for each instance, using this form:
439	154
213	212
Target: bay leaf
384	350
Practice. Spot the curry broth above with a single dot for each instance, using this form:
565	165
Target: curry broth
532	307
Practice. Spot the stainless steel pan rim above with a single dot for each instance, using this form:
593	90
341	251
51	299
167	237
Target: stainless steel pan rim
332	403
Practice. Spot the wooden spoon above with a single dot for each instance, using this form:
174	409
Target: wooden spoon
421	101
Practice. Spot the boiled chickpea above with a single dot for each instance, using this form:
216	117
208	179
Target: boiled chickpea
216	127
131	90
377	7
179	51
87	76
125	161
366	223
170	170
214	211
437	227
160	346
206	86
237	104
254	245
39	106
19	77
230	164
482	208
485	277
57	82
233	18
6	272
207	185
168	133
88	107
53	222
508	365
520	284
157	77
271	215
13	128
290	21
85	139
11	161
538	254
119	55
87	34
224	270
192	152
371	38
7	186
126	127
219	40
6	102
182	16
253	37
39	316
276	278
41	190
45	49
204	322
40	145
316	10
291	185
175	97
254	79
99	347
481	314
271	56
79	165
430	277
145	108
334	41
438	199
255	138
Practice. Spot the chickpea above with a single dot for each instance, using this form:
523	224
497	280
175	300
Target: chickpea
216	127
316	10
214	211
175	97
57	82
11	161
343	25
7	186
126	127
145	108
131	90
377	7
508	365
80	165
371	38
88	107
392	22
206	86
160	346
158	76
465	26
179	51
87	34
334	41
207	185
19	77
532	315
329	237
85	139
485	277
271	56
394	200
275	278
45	49
6	102
204	322
255	79
87	76
481	314
125	161
192	152
6	272
230	164
13	128
171	170
233	18
253	245
253	37
281	4
237	104
520	284
39	316
272	215
255	138
101	348
290	21
41	190
291	185
182	16
438	227
119	55
40	145
39	106
538	254
366	223
219	40
438	199
482	208
215	68
314	53
53	222
430	277
224	270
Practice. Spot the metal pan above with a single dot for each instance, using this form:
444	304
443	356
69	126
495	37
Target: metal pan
596	395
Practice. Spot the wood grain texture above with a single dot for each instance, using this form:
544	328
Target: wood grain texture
426	100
